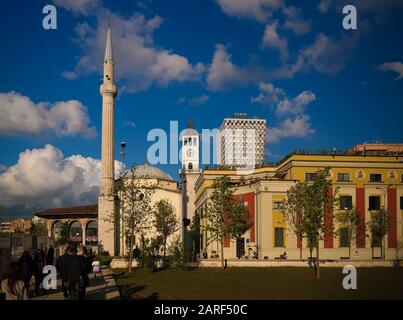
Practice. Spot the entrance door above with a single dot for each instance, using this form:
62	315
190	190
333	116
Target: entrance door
240	247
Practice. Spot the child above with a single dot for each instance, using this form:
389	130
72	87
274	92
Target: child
96	268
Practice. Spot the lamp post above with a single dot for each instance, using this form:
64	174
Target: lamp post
122	173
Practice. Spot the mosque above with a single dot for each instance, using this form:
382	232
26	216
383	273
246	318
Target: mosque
368	177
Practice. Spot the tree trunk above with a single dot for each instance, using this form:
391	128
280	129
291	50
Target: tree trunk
317	261
131	252
222	253
349	252
300	248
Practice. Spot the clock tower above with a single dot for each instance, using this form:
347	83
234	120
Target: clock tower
189	174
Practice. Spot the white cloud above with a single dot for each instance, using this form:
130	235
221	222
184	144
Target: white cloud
297	123
299	127
294	21
20	115
70	75
140	63
194	101
223	73
84	7
269	94
324	6
46	178
258	10
392	66
271	39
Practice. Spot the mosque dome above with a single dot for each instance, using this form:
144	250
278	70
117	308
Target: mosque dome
147	171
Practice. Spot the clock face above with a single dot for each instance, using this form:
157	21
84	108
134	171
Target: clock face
190	153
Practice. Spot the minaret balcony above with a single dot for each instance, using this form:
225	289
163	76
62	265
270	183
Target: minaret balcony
108	88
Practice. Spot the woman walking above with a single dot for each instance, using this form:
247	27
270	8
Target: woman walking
13	284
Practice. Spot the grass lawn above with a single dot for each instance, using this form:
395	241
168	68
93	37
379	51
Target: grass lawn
258	283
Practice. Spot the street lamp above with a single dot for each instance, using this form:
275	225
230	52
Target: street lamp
122	156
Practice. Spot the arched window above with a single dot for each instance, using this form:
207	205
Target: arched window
91	233
55	230
190	166
76	231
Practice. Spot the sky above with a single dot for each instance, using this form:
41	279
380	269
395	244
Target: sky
292	63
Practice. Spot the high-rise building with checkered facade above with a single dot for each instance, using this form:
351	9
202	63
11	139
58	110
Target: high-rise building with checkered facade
241	141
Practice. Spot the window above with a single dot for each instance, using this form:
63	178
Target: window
401	203
309	176
343	237
374	203
185	141
279	237
278	205
346	202
343	177
375	177
376	240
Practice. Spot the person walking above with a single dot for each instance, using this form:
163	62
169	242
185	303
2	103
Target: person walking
85	280
13	285
61	267
74	267
39	264
27	266
50	256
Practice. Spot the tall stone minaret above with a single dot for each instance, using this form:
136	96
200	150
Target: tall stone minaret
107	226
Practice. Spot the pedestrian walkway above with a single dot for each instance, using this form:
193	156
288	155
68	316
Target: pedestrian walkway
101	288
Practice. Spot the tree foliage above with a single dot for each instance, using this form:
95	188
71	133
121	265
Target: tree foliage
350	220
165	221
378	227
226	218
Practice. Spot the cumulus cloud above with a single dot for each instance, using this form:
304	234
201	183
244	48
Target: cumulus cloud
269	94
290	112
392	66
44	177
193	101
324	6
223	73
70	75
140	63
299	127
20	115
295	22
272	40
258	10
84	7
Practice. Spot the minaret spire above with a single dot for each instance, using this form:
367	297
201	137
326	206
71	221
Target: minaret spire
108	48
108	235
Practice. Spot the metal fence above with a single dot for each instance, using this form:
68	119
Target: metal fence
13	245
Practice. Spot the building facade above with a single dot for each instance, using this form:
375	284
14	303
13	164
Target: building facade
367	183
241	141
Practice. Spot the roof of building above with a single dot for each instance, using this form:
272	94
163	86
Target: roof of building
147	171
85	210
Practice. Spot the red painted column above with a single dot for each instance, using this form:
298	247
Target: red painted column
249	198
392	207
360	205
328	236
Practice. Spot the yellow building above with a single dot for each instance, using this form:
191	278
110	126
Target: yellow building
364	181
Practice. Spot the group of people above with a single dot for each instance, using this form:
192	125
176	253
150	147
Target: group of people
74	268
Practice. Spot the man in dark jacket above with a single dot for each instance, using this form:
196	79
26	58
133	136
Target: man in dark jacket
50	256
61	267
73	268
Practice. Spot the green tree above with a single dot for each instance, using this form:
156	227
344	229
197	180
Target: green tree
64	233
317	202
165	221
378	227
293	209
194	234
348	220
135	208
225	219
39	228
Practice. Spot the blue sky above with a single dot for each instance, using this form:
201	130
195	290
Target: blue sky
291	62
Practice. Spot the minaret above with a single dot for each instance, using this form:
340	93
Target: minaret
108	230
